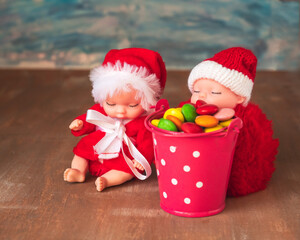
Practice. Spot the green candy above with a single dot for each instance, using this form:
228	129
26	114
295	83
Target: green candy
166	124
189	112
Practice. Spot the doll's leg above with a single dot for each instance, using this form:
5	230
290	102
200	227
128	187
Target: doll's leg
112	178
77	171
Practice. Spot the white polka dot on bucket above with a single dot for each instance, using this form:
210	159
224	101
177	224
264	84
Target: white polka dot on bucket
196	154
154	141
186	168
165	195
199	184
172	149
174	181
163	162
187	201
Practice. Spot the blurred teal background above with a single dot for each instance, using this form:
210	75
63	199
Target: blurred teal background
78	34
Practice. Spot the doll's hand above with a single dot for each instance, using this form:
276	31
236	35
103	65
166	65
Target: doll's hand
76	125
137	165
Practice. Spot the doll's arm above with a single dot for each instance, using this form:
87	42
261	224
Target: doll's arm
81	125
76	125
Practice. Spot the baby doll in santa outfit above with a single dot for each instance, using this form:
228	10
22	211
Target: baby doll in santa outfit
118	146
226	80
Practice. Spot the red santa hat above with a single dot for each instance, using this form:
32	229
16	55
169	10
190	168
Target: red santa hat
139	68
234	68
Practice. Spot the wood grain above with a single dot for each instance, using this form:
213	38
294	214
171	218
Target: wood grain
36	107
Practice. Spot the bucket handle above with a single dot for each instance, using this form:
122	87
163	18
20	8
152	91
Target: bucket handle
162	104
235	125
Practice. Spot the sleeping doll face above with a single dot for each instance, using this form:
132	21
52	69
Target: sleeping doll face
123	105
215	93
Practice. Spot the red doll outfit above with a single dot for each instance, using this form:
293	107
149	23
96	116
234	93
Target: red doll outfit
253	162
135	130
143	70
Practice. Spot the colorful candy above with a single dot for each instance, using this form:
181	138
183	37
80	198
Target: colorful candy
189	112
207	109
226	123
174	112
199	103
206	121
212	129
167	125
195	118
155	122
175	120
224	114
189	127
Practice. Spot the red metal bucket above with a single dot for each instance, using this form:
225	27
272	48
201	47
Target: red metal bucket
193	169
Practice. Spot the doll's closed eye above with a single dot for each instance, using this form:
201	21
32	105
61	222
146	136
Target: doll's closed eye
133	105
110	104
196	91
216	92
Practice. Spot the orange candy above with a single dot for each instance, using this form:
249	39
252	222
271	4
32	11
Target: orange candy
175	120
206	121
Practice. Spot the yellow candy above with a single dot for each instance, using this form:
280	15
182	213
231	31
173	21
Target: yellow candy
174	112
225	123
206	130
155	122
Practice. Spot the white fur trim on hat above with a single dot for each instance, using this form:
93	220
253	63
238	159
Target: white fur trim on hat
236	81
108	79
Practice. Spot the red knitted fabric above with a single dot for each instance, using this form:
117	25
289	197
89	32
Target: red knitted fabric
239	59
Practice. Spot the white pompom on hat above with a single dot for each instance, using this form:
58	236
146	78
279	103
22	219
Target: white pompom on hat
138	68
234	68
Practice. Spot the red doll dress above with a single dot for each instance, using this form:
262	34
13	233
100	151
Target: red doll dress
135	130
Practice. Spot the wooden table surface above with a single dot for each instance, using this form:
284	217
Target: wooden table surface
36	107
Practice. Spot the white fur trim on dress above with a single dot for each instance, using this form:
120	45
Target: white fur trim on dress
236	81
109	79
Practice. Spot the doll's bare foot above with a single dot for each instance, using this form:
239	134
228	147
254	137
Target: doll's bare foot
100	183
73	175
112	178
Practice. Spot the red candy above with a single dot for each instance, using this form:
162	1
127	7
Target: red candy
199	103
207	109
189	127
